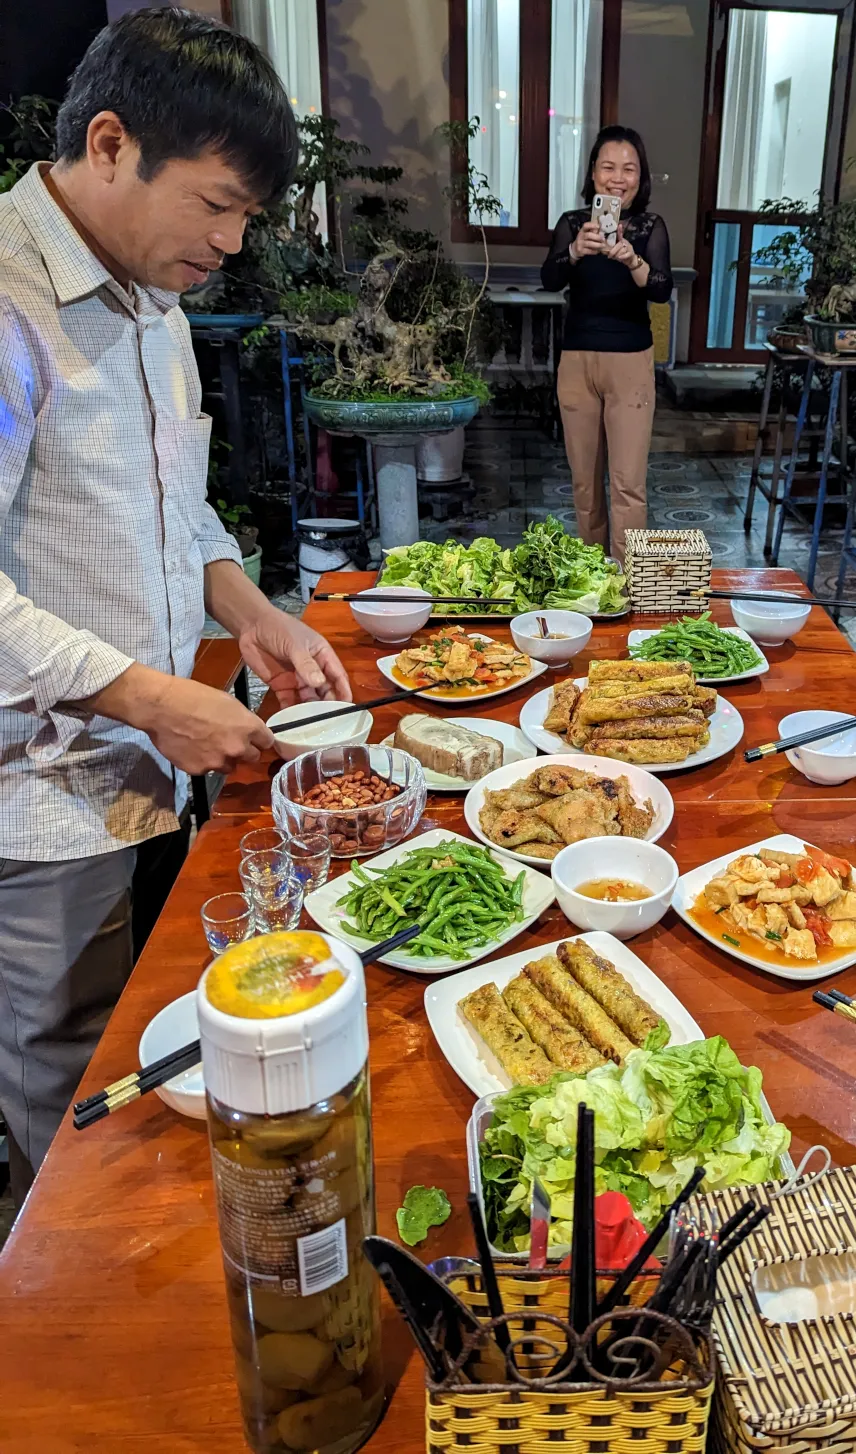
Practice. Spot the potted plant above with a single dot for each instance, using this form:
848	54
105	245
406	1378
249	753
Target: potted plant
824	239
236	519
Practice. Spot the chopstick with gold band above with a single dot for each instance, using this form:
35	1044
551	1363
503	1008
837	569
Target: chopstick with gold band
116	1097
777	598
801	739
836	1002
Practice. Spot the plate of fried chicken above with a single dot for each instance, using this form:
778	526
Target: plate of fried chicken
653	714
533	815
781	905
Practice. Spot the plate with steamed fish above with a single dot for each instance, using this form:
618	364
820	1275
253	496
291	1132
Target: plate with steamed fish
651	713
571	1005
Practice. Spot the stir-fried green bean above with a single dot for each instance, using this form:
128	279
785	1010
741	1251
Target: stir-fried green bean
710	651
456	891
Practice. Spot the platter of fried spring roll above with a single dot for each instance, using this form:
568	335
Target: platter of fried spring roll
652	713
571	1005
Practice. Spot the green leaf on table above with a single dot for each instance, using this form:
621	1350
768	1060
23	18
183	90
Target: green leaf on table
423	1207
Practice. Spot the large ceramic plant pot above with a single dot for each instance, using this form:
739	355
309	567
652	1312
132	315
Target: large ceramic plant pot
831	338
394	430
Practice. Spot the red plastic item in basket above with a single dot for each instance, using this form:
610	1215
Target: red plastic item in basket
618	1234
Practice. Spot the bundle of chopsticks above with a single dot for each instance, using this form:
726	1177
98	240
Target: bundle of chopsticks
138	1083
458	1348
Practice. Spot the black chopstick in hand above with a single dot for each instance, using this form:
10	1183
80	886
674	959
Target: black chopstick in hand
122	1092
800	739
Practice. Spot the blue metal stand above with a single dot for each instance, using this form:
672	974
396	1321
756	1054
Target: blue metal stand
836	424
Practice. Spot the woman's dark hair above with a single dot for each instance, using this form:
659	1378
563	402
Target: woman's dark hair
180	84
632	138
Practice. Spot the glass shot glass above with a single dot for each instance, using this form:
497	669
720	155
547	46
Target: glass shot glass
258	840
227	919
276	905
310	855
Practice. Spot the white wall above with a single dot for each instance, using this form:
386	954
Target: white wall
799	50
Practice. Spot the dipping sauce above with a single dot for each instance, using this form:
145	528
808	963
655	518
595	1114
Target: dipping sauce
556	636
612	890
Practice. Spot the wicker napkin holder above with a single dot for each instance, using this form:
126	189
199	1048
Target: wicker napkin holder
660	565
605	1415
785	1388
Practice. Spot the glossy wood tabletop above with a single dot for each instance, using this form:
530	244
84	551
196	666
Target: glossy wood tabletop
817	669
113	1329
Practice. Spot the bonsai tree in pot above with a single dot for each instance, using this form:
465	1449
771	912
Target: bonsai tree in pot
824	238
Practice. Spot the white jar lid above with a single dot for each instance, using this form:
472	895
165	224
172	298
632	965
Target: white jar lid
270	1067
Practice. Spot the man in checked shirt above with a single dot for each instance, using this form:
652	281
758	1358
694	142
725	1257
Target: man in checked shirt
174	131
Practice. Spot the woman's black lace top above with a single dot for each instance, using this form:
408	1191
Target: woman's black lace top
607	310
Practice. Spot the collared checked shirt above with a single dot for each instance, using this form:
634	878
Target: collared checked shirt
104	533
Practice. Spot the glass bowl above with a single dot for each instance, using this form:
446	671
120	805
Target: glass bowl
355	832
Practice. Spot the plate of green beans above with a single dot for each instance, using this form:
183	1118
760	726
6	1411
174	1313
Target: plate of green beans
715	653
469	900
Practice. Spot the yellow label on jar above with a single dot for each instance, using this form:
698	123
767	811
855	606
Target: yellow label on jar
273	974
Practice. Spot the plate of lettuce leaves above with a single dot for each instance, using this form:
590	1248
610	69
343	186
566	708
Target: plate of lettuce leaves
657	1117
549	568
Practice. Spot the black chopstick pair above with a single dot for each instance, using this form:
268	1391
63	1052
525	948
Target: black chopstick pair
838	1003
800	739
773	597
122	1092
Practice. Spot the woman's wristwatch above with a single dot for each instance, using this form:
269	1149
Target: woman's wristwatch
637	263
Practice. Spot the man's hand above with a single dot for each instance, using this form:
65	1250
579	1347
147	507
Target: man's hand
588	242
196	727
289	656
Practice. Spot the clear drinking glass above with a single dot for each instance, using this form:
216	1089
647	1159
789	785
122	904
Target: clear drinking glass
276	904
310	855
270	865
260	839
227	919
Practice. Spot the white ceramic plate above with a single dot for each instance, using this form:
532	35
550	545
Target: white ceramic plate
176	1025
537	669
726	730
464	1048
642	783
516	747
690	885
635	638
538	894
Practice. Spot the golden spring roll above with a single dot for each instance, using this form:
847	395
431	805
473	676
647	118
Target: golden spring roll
640	671
564	1045
683	682
521	1059
606	985
562	990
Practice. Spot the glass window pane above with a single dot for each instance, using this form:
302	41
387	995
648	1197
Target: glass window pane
777	83
771	294
575	69
723	283
493	94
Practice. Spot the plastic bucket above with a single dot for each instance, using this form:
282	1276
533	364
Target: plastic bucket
327	545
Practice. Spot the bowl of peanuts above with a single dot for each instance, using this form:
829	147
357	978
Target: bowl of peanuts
364	798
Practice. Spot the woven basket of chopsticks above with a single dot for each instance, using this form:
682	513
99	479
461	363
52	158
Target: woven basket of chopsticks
661	565
603	1416
788	1387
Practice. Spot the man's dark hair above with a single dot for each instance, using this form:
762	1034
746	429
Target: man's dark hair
182	83
632	138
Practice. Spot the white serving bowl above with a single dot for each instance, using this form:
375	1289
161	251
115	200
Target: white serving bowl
628	858
394	622
176	1025
770	622
833	760
574	626
293	739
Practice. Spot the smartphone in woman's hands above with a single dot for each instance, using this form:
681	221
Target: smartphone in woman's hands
606	214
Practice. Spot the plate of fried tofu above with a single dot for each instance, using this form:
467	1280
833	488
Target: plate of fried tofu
653	714
781	905
571	1005
533	810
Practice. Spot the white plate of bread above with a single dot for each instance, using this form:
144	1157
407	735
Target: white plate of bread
456	752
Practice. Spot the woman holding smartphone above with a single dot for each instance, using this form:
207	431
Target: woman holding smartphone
606	374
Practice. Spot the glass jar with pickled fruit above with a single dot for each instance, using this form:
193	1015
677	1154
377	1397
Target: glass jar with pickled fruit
282	1020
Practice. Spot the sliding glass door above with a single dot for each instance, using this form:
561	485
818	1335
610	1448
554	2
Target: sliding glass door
776	89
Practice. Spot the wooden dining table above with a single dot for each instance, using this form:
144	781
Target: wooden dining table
113	1329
